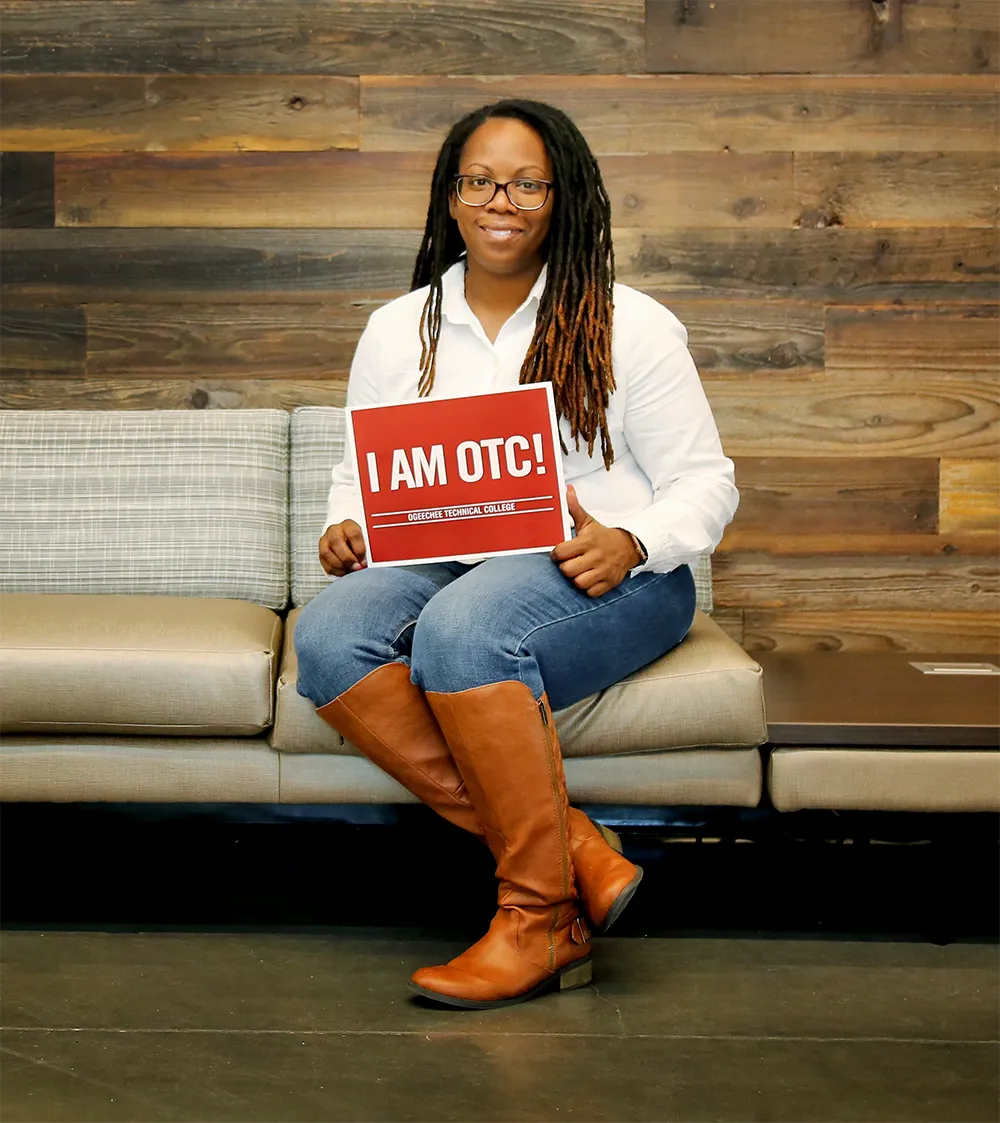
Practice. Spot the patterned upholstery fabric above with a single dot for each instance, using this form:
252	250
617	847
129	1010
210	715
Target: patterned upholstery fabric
318	442
147	502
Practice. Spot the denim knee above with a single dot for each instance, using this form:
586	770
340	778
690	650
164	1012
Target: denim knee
460	644
312	649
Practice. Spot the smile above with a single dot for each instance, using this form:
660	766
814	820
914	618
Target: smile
500	233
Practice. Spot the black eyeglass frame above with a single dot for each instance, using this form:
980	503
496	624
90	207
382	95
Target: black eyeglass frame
548	184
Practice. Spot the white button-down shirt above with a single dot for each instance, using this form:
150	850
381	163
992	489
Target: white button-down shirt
670	483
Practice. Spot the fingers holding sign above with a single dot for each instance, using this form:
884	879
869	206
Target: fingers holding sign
342	548
600	557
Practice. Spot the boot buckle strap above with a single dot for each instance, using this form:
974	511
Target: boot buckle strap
579	933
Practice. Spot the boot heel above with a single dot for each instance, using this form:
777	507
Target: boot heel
578	976
610	837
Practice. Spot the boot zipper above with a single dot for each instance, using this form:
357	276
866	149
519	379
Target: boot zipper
559	803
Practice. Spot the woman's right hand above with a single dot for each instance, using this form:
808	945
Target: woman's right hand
342	548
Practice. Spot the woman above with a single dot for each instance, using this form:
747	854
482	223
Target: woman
446	675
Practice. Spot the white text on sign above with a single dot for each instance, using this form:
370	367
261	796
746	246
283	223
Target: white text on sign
474	460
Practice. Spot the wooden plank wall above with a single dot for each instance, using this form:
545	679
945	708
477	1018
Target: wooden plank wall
203	200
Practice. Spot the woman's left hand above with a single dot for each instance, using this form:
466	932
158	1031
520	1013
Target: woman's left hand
599	557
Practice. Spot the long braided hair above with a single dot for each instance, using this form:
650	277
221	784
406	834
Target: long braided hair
571	347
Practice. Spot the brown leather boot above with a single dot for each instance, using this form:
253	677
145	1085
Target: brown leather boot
388	719
503	743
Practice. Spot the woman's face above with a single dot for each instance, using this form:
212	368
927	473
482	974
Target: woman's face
499	238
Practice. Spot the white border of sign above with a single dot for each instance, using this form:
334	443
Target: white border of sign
560	480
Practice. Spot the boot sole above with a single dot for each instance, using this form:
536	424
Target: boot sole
576	974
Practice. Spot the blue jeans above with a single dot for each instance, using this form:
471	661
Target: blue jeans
509	618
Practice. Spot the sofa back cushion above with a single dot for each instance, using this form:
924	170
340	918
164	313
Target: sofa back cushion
318	443
159	502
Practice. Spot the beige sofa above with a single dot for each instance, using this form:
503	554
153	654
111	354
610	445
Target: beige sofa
152	567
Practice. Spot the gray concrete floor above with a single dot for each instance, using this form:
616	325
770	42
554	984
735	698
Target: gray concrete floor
199	1026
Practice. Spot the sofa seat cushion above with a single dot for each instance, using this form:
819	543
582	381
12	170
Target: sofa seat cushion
705	693
136	664
884	779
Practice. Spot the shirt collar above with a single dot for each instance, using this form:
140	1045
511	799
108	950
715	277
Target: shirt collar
455	308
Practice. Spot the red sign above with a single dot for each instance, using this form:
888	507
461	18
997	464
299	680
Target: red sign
460	477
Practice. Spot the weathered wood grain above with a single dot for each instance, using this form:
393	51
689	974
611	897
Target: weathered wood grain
41	341
969	633
820	36
833	263
753	540
304	37
211	340
154	114
970	496
758	36
956	582
964	30
184	266
704	113
316	189
390	190
890	495
701	189
907	346
27	189
284	339
171	393
818	416
732	336
897	189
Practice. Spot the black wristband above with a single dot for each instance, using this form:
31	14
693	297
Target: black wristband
640	548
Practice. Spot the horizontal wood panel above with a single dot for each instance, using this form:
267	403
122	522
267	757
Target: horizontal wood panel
970	496
27	189
304	37
897	189
390	190
760	36
281	340
821	36
267	264
907	346
887	495
779	416
42	341
752	540
690	189
258	341
190	265
834	263
937	31
969	633
202	114
318	189
733	336
938	583
171	393
703	113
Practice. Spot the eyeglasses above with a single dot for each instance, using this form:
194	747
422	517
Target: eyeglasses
524	194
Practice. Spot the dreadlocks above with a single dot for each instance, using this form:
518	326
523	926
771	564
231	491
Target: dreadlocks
571	347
